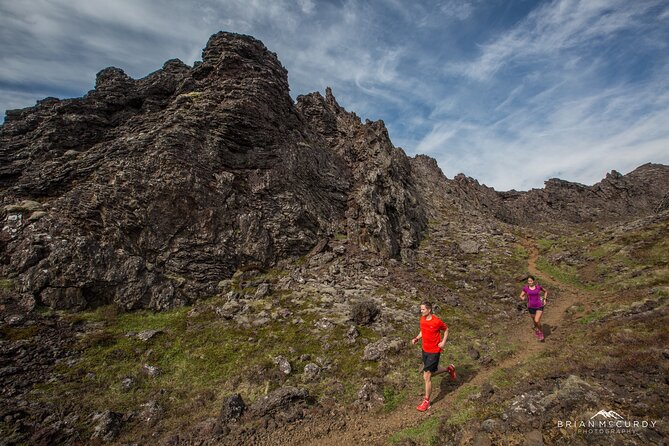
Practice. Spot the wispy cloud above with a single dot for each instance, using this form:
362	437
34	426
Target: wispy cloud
554	28
575	139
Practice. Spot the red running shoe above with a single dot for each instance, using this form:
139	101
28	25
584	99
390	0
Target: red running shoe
425	405
451	371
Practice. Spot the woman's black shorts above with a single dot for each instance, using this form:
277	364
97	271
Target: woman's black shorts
534	310
430	362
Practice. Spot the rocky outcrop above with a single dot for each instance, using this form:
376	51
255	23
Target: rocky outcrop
384	202
617	197
149	192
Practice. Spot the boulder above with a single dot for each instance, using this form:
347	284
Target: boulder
279	403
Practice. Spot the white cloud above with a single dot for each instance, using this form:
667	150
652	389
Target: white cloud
558	26
576	139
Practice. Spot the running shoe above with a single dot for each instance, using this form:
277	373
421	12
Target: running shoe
425	405
541	336
451	371
537	334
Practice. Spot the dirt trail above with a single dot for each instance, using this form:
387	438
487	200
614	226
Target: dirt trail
375	429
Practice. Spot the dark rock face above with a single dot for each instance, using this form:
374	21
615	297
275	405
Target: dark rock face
384	210
151	191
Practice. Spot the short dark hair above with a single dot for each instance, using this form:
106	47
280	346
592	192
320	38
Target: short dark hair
427	304
531	277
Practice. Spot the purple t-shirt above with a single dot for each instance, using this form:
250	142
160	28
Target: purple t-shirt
533	297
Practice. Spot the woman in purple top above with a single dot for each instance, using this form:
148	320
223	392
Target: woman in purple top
535	304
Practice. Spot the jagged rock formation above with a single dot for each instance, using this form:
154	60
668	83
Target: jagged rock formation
149	192
385	209
616	197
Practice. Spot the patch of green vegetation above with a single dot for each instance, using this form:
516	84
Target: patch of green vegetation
565	274
576	308
520	253
340	236
465	391
392	399
602	251
461	416
273	274
662	291
506	349
545	244
593	316
502	378
649	278
6	284
300	261
425	433
18	333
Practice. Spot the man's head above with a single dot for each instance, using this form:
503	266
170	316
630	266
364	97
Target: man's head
425	308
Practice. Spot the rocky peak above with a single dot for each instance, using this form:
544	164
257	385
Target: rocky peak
241	63
112	79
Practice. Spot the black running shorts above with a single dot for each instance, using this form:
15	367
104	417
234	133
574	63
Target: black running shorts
430	362
534	310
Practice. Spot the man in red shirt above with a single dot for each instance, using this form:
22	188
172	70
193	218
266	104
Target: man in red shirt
430	332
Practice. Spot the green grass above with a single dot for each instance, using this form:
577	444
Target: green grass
520	254
392	399
424	433
6	284
461	416
603	251
593	316
18	333
465	391
545	244
502	378
565	274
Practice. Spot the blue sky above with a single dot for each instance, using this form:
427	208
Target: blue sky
508	92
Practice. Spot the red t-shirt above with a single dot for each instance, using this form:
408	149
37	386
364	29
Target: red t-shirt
429	331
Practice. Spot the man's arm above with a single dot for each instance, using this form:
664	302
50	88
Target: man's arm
443	340
414	340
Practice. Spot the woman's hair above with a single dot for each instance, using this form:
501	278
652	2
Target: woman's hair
427	304
532	277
